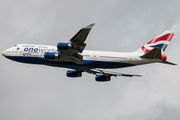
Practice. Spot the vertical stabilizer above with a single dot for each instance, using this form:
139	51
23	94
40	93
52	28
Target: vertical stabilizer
160	41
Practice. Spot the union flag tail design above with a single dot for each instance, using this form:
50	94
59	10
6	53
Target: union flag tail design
160	41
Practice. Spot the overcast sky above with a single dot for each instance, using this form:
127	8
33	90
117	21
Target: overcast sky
37	92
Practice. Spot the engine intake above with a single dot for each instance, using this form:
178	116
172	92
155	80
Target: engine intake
102	78
71	73
49	55
64	46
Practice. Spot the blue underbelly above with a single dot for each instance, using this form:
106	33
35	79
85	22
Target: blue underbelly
87	64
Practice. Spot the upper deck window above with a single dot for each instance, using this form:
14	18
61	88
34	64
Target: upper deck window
28	46
42	47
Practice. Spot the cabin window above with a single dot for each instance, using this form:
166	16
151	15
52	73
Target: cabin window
86	55
112	57
42	47
28	46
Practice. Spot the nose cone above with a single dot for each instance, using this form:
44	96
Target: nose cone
3	53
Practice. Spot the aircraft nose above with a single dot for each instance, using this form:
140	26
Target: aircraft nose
3	53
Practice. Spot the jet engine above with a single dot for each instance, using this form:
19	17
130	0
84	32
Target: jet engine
102	78
64	46
163	57
49	55
71	73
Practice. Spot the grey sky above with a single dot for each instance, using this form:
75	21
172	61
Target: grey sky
41	92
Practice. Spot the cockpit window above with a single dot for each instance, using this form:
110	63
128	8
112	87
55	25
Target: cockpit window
15	45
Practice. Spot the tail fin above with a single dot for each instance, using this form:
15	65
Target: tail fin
160	41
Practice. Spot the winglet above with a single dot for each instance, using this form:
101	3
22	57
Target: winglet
90	26
141	74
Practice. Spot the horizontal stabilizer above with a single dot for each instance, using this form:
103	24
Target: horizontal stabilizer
153	54
166	62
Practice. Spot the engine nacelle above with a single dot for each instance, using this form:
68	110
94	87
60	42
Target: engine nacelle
64	46
49	55
163	57
71	73
102	78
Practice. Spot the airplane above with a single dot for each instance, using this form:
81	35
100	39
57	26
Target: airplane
73	56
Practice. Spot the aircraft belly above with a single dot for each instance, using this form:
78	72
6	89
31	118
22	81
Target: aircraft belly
107	64
25	59
87	64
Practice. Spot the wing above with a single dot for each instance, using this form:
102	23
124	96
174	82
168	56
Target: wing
81	36
76	45
107	73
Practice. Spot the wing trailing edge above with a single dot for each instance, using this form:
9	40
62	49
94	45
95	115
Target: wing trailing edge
108	73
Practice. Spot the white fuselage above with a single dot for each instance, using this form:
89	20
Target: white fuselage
29	53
